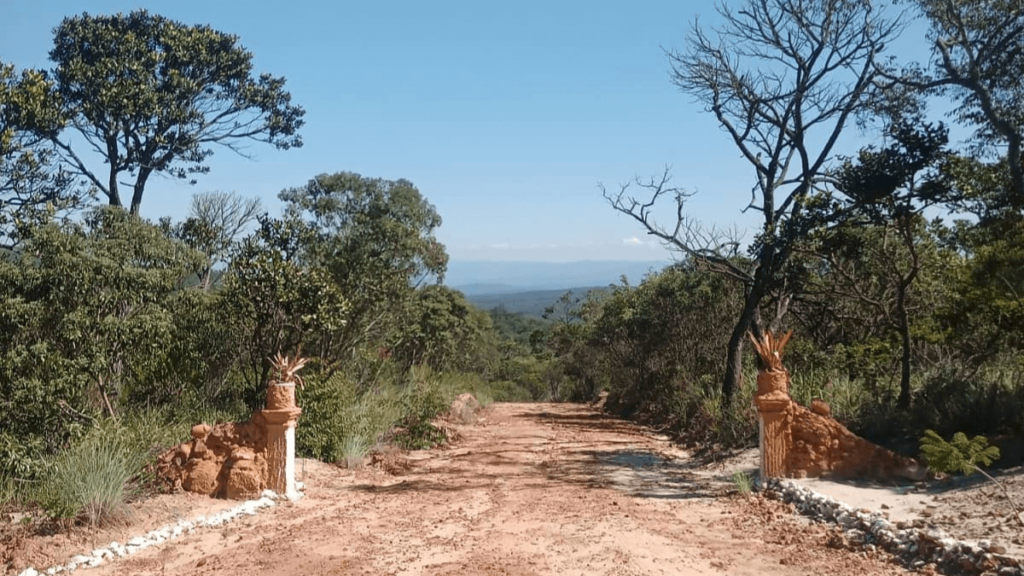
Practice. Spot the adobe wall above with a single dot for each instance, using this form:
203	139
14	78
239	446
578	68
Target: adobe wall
238	460
224	461
798	442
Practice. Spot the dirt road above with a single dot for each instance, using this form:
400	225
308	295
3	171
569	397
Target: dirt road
531	489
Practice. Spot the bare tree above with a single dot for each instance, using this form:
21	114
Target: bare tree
215	222
783	78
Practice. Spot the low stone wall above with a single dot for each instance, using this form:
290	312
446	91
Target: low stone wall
869	530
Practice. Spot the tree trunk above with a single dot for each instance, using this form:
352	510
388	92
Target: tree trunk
1014	158
904	328
113	195
734	360
140	187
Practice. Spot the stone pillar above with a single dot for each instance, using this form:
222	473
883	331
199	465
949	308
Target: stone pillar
772	401
281	417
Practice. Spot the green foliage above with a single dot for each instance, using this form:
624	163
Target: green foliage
278	300
445	331
215	222
85	320
959	454
328	417
422	402
375	240
158	93
32	189
664	336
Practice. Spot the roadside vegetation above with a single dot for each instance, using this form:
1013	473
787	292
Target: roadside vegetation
900	268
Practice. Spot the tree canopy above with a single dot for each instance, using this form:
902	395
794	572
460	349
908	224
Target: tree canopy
152	95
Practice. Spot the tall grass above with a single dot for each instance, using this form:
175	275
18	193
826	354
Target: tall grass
344	418
354	449
90	480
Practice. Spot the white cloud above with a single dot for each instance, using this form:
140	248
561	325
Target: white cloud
634	241
501	246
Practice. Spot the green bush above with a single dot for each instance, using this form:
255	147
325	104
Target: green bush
422	401
326	417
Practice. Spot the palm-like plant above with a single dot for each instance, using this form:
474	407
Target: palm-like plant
770	349
288	368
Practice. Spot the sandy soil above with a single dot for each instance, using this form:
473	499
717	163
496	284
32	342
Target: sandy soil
968	508
530	489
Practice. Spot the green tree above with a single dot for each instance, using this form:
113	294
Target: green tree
85	320
978	59
279	300
213	226
446	332
891	187
664	336
152	95
32	188
376	240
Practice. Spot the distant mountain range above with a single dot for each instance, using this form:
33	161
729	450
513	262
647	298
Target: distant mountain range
489	277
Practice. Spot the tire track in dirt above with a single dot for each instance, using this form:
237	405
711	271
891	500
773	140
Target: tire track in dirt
531	489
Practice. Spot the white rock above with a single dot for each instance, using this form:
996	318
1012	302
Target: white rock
30	571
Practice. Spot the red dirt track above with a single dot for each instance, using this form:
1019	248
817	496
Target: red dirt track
530	489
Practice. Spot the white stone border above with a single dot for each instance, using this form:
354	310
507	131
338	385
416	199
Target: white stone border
116	550
871	530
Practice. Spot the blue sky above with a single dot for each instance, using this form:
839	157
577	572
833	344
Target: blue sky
505	115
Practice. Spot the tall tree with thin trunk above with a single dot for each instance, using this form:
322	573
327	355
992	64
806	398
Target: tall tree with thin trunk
783	79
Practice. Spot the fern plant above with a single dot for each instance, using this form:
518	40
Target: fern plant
964	456
958	455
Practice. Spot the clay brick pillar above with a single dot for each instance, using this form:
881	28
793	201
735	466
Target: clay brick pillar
281	417
772	400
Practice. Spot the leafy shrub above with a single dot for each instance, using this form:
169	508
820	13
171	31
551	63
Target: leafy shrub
326	417
422	402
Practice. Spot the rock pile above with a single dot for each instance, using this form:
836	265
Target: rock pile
819	445
224	461
918	546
